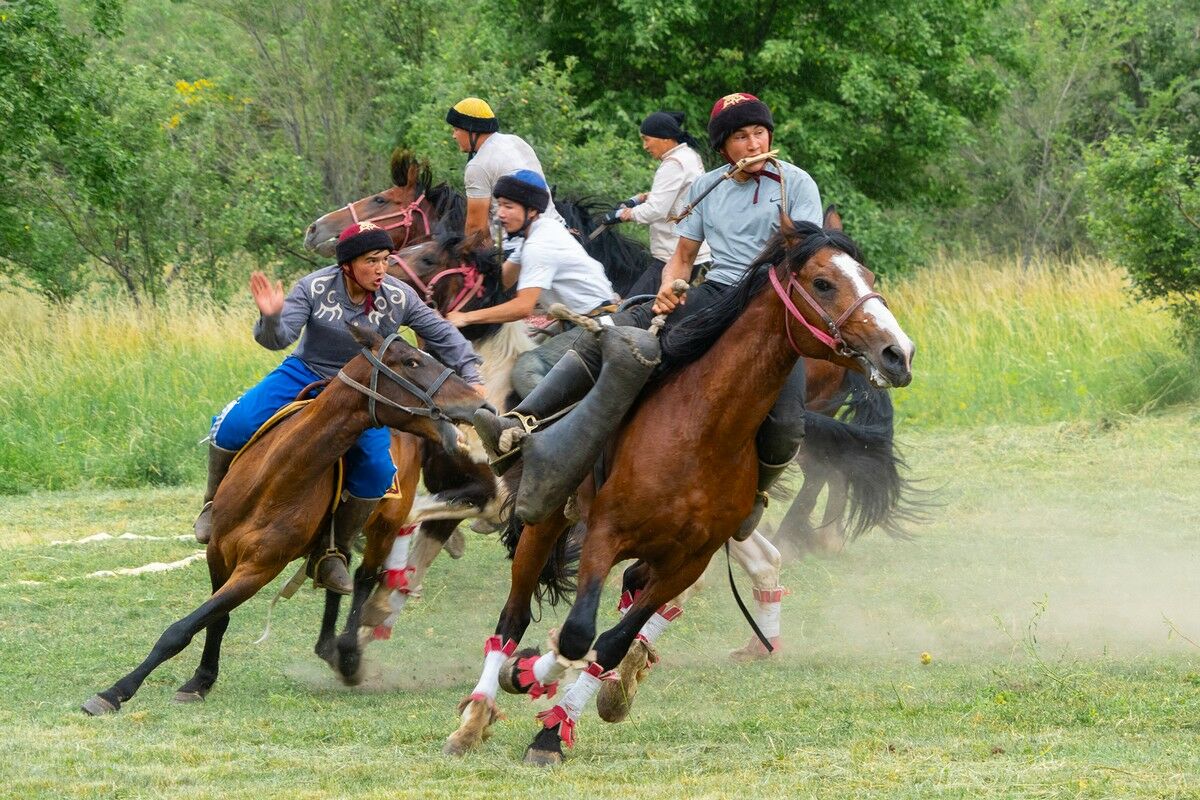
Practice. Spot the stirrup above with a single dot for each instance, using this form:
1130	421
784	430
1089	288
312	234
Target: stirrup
331	552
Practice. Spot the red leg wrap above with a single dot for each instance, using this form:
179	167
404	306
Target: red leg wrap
494	643
527	680
557	716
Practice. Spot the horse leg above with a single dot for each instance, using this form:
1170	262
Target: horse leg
795	534
327	638
430	539
202	680
558	723
245	581
830	537
760	560
478	711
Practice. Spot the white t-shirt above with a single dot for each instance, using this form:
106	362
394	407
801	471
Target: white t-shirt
501	154
680	166
554	261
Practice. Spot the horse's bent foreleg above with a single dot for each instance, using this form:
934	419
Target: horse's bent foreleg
759	558
479	710
245	581
558	723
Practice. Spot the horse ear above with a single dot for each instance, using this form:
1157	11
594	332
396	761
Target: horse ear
402	165
365	336
472	243
833	219
787	228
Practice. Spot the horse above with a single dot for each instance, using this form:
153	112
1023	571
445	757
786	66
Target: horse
807	294
276	499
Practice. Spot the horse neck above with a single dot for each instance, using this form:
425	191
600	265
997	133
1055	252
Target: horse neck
743	373
326	430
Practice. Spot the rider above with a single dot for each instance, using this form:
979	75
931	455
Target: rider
490	156
736	219
663	138
318	311
550	267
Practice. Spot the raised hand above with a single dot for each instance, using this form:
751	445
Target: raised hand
267	296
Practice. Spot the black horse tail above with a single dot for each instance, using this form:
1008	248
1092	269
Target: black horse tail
556	582
623	258
859	444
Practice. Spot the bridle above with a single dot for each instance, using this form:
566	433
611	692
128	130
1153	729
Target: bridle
473	284
831	338
429	409
405	218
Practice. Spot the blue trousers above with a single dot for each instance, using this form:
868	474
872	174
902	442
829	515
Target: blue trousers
369	468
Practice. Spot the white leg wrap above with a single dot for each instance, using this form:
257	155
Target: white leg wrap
547	669
579	694
769	602
398	557
655	626
489	681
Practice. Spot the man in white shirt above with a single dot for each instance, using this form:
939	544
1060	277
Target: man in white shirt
490	156
663	137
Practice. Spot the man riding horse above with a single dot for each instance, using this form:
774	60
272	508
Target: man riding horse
317	311
735	210
550	267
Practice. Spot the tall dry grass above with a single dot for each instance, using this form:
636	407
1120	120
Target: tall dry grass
1001	342
102	394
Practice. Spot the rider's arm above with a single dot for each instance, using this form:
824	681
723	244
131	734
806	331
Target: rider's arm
679	267
441	339
668	180
519	307
277	331
478	211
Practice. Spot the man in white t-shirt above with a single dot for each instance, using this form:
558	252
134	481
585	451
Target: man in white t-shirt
490	156
551	267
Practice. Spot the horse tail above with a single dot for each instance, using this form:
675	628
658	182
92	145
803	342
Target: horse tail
624	259
556	582
859	444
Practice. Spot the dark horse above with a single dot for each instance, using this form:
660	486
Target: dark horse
275	501
676	492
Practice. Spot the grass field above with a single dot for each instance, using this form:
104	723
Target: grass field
101	396
1053	590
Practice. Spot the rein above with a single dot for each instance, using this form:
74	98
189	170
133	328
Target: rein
429	409
472	283
833	338
405	218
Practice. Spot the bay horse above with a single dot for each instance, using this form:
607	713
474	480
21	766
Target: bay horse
676	492
276	499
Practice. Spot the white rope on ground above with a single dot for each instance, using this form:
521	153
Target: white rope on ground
124	537
153	566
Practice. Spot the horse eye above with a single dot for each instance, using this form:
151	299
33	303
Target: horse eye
822	285
380	200
413	363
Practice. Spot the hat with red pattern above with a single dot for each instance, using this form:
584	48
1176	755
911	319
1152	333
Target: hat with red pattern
359	238
735	111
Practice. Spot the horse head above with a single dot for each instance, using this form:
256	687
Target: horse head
402	210
831	298
415	392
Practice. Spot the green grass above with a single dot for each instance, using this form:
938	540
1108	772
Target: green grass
1042	588
106	396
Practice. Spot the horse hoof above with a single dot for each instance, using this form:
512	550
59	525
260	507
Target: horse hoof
753	650
97	706
187	697
543	758
458	745
615	698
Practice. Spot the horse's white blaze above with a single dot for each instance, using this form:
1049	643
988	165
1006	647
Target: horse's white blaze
873	309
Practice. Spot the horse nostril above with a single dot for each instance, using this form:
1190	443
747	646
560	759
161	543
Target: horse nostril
893	357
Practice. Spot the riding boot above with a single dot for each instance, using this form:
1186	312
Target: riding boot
767	475
566	383
219	460
328	564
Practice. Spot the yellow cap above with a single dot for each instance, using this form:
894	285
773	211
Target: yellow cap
474	107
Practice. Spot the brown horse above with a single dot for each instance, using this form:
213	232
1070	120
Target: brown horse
676	491
275	501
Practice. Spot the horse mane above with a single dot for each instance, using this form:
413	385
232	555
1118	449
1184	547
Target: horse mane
692	338
449	205
624	259
403	162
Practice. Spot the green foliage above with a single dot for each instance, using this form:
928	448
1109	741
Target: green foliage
1144	200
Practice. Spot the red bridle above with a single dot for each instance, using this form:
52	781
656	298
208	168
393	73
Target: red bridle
831	339
405	218
472	283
